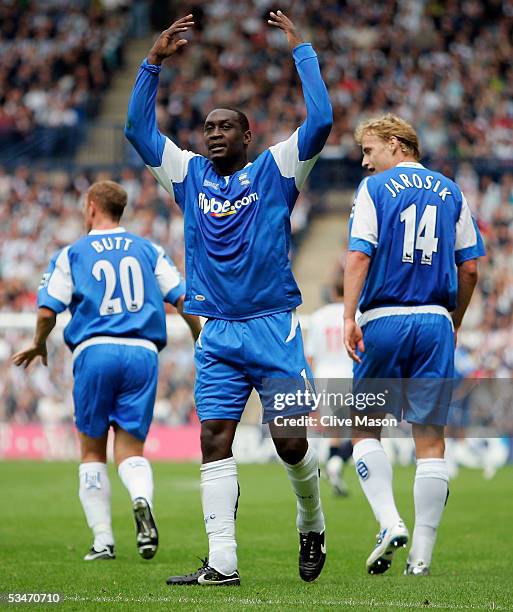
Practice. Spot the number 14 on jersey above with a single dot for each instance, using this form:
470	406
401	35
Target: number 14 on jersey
423	239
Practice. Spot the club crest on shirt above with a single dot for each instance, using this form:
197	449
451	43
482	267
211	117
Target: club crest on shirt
243	179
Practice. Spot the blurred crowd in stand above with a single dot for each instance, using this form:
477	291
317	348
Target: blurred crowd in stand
445	66
56	60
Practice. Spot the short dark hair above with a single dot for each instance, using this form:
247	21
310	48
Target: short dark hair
243	120
110	197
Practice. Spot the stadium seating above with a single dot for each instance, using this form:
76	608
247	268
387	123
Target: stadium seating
56	60
417	59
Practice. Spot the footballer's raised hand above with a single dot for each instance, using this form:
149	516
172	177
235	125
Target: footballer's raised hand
168	43
26	357
353	339
280	20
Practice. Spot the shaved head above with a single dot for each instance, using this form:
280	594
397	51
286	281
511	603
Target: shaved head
241	117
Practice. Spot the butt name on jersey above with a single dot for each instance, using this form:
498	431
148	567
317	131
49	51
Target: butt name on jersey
111	243
415	181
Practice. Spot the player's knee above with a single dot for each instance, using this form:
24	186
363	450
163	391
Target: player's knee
216	440
93	449
429	441
126	445
93	456
429	448
364	433
291	450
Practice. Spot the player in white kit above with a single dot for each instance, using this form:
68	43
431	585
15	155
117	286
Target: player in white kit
328	358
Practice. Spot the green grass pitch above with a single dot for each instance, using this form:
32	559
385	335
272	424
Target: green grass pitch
43	537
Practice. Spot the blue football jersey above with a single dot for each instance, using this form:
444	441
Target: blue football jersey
114	284
417	227
236	228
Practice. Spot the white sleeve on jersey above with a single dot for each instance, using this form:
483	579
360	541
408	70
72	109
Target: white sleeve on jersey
60	283
465	231
166	273
364	219
175	163
286	156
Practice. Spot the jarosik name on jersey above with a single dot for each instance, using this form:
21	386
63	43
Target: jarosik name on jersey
415	181
216	208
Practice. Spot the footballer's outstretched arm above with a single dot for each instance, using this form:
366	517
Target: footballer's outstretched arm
307	142
46	319
141	126
315	130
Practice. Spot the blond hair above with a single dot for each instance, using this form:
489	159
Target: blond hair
389	125
110	197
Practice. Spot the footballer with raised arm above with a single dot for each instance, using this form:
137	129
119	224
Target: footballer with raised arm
238	276
411	270
114	284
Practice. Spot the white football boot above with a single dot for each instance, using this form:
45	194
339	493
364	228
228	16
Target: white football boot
388	541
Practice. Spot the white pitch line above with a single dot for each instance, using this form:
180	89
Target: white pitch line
247	601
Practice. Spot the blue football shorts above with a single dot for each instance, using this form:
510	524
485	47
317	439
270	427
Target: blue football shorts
461	404
115	383
417	348
233	357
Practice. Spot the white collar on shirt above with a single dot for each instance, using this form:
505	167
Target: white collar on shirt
409	165
99	232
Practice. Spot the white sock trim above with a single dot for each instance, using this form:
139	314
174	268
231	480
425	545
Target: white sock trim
129	462
366	446
219	496
94	494
304	478
137	476
432	468
218	469
376	475
92	466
